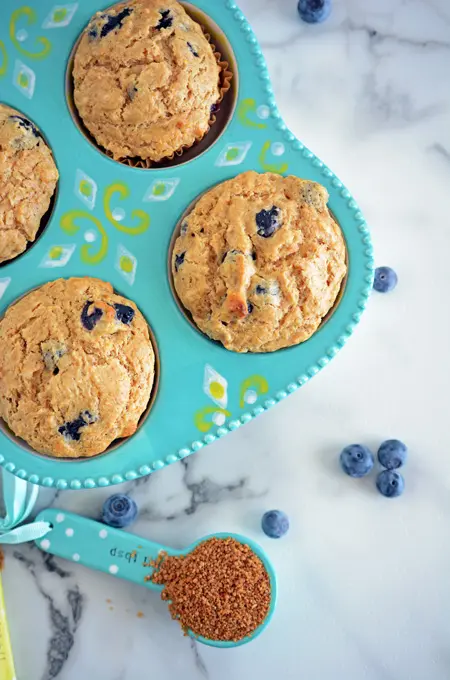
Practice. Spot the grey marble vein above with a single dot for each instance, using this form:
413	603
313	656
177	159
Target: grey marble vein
63	625
199	662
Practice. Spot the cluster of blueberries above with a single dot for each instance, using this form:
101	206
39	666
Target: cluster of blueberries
357	461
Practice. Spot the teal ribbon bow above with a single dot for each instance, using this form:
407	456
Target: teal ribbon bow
19	498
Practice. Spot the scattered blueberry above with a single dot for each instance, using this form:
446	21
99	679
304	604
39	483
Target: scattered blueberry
166	20
214	108
124	313
267	222
93	33
184	227
390	483
113	22
193	50
179	259
250	307
275	523
71	429
89	321
119	511
392	454
314	11
356	460
385	280
26	124
260	290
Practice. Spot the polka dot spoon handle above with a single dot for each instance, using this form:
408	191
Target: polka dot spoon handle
100	547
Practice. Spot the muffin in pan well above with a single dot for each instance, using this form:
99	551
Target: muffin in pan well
259	261
146	80
77	367
28	177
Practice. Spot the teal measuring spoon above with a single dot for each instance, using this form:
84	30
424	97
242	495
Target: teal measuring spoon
122	554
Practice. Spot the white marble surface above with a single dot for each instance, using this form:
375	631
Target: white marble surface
364	581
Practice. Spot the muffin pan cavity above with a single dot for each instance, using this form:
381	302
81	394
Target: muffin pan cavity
19	442
116	223
220	118
53	200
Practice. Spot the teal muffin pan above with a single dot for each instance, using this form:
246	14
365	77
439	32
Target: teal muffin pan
116	223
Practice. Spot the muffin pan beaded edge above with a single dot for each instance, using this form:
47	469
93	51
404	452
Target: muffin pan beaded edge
85	473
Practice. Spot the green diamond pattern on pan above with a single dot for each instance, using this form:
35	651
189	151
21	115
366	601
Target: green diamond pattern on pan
24	79
233	154
60	15
85	188
57	256
161	189
126	264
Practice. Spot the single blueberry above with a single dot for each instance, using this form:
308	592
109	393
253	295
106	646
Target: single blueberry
71	430
131	92
89	321
267	222
275	523
113	22
392	454
250	307
26	125
93	33
385	280
260	290
179	259
124	313
356	460
215	107
390	483
193	50
119	511
166	20
184	227
314	11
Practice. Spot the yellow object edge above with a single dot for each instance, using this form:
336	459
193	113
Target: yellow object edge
7	671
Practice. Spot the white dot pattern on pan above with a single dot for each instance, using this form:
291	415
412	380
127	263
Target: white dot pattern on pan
21	35
90	236
250	397
45	544
118	214
277	149
69	532
113	569
60	517
103	533
218	418
263	111
76	557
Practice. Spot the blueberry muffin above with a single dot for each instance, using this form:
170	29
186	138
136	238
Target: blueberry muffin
28	177
76	367
259	261
145	79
